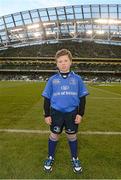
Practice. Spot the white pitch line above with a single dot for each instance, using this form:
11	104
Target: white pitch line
105	98
24	131
99	132
47	132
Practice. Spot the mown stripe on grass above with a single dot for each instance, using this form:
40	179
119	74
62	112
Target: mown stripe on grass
106	91
46	132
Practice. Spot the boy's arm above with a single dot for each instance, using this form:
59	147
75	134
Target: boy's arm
82	103
48	119
81	110
46	107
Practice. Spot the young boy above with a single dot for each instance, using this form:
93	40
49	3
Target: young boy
64	104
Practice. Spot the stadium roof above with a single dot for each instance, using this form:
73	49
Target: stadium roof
99	23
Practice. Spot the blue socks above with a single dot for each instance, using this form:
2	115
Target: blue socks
73	148
51	147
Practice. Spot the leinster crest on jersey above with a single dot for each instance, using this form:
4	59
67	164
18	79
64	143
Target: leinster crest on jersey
72	81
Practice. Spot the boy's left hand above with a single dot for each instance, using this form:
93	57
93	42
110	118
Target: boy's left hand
78	119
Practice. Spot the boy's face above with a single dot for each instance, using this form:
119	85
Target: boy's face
64	63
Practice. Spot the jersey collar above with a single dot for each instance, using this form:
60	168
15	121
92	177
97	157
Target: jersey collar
70	73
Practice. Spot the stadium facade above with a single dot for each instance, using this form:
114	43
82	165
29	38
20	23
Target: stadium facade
99	23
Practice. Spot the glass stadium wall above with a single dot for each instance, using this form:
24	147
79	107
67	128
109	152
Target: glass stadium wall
99	23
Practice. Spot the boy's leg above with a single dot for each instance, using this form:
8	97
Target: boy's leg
52	142
71	129
56	128
72	139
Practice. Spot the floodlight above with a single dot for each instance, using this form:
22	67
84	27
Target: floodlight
33	26
107	21
37	34
48	23
89	32
21	35
82	22
16	30
50	33
117	33
100	32
72	32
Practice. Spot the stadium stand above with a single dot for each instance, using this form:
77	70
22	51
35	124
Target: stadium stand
84	49
88	61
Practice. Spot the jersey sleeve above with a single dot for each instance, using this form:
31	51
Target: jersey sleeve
48	90
82	89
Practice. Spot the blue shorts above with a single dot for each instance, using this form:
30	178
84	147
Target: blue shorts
62	120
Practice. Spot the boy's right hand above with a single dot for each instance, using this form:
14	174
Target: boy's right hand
48	120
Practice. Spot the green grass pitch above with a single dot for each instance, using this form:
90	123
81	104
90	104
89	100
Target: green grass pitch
22	154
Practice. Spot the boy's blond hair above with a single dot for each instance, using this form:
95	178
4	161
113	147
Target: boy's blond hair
63	52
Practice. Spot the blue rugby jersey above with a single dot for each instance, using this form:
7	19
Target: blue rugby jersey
64	93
